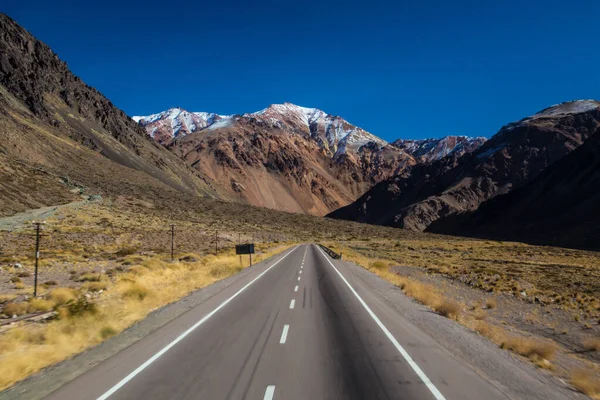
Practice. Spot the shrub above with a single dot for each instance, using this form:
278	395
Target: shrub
378	265
107	331
592	344
18	309
89	277
95	286
126	251
61	296
24	274
80	307
530	347
585	382
448	309
491	303
15	279
50	283
37	304
136	291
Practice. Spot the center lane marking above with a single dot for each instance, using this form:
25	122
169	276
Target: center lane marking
286	328
298	278
296	288
292	304
179	338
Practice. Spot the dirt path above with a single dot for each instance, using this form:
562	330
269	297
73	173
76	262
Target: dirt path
21	220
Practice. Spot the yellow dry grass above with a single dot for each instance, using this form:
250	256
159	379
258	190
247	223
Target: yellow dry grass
531	348
586	382
426	294
155	283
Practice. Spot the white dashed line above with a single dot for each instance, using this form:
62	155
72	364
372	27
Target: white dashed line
296	288
269	393
292	304
300	271
298	278
179	338
286	328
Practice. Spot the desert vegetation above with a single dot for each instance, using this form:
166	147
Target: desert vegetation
540	303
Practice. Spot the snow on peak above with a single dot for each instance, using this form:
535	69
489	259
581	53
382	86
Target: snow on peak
570	107
331	132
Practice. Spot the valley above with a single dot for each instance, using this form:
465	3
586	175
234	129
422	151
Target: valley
448	268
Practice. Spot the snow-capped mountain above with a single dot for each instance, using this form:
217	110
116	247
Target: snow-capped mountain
291	157
176	122
333	133
429	150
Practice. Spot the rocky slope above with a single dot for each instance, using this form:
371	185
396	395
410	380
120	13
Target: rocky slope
291	157
430	150
510	159
559	207
60	134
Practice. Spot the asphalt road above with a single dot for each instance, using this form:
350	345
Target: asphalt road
299	327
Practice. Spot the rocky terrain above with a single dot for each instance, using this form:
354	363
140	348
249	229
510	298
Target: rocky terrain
558	207
290	157
513	157
61	137
429	150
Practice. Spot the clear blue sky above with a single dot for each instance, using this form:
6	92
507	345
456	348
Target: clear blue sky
409	69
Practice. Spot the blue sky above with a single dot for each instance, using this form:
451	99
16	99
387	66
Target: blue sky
409	69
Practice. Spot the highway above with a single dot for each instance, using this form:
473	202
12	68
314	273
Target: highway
298	327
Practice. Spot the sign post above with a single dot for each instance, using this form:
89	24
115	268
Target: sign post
247	248
37	255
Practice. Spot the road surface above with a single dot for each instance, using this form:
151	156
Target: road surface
299	327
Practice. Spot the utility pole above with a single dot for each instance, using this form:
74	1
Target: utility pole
37	255
216	242
172	242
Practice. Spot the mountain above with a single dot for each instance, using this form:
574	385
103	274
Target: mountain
291	157
429	150
513	157
559	207
60	136
285	156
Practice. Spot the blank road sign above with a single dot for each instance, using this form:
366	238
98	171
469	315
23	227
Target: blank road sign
247	248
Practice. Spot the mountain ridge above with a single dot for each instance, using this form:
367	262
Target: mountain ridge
509	159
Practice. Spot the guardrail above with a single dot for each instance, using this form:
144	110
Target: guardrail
331	253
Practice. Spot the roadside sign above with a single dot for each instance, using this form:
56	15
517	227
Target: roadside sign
247	248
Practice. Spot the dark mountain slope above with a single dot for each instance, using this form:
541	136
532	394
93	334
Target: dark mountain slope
54	125
510	159
559	207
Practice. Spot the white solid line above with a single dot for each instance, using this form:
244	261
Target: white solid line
436	393
269	393
296	288
292	304
142	367
286	328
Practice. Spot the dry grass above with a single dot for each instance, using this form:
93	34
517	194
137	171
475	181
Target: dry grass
491	303
83	323
448	308
586	382
592	344
17	309
61	296
531	348
423	293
